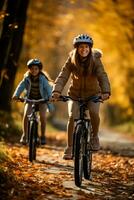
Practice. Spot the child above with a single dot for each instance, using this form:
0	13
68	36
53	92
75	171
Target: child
88	78
36	84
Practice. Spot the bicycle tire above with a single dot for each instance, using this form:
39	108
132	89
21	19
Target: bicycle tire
32	141
78	156
87	158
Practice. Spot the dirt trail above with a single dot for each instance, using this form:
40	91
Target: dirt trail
51	177
117	143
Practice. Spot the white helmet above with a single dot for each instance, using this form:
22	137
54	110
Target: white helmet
34	62
83	38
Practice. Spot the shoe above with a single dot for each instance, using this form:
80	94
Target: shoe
68	154
38	141
95	144
43	140
23	140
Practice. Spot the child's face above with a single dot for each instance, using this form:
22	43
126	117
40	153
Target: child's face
34	70
83	49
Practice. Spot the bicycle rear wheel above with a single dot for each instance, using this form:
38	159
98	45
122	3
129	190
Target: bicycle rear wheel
32	140
87	158
78	155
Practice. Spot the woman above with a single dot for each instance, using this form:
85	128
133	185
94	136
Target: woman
88	78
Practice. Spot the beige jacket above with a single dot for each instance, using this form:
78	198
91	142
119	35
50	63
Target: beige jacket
95	80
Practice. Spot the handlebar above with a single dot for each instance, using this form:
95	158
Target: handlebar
95	99
25	100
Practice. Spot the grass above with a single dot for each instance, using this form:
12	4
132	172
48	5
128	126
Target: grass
127	127
8	180
9	129
4	153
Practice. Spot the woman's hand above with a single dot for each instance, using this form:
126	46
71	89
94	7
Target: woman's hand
105	96
15	98
55	96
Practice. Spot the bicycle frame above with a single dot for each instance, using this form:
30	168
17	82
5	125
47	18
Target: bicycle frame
82	151
82	107
33	117
33	126
81	120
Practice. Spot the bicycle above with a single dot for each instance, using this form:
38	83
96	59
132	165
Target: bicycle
32	136
82	147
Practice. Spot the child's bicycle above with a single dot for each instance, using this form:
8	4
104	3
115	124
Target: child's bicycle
82	148
32	136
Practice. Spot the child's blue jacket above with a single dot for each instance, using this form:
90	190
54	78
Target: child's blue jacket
44	86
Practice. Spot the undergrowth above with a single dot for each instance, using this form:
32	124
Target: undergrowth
9	130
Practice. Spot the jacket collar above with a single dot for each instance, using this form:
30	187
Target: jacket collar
96	53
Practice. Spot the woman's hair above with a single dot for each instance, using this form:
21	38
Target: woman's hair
84	61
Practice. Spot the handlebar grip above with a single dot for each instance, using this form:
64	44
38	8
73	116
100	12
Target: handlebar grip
21	99
99	99
63	98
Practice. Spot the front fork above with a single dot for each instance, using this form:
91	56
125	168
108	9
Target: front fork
87	138
86	124
73	149
30	121
74	136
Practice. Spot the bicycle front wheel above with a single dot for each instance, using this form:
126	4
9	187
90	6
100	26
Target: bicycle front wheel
32	140
78	155
87	158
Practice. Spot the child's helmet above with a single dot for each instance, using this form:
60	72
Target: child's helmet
82	38
35	61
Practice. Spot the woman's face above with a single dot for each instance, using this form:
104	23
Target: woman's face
34	70
83	49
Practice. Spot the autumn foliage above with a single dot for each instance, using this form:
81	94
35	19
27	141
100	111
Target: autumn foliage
51	27
51	177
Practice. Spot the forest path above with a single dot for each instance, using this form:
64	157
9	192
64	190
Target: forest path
51	177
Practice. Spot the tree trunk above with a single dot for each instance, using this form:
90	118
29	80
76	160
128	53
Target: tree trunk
10	48
2	4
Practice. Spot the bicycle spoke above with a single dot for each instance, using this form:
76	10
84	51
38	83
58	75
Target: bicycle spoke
78	164
32	141
87	159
